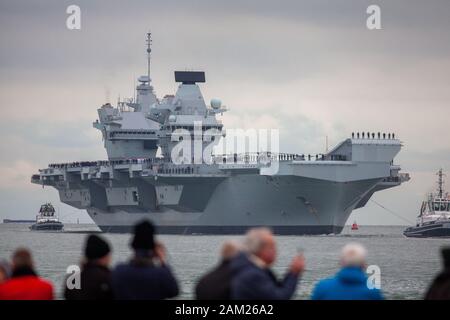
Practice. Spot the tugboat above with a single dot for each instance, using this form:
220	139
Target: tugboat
434	217
355	226
46	220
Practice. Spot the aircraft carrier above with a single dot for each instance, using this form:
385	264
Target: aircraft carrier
153	171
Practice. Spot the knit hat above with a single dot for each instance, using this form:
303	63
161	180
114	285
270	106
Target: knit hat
143	236
96	247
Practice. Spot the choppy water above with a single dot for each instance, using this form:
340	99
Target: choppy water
407	265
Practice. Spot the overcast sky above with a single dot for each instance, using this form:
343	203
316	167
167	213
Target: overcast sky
311	69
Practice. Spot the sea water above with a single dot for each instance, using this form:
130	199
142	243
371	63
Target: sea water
407	265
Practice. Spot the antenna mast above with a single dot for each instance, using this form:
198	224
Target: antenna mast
149	50
440	183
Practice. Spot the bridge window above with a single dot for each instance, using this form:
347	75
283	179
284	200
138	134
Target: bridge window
135	196
436	206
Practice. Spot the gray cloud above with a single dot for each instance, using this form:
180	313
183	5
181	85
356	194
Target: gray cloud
51	134
254	35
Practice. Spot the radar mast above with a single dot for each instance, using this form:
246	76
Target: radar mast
149	50
440	183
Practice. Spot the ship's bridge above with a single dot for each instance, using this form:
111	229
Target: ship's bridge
440	204
188	98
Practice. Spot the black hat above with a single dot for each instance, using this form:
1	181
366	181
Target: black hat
144	236
446	256
96	247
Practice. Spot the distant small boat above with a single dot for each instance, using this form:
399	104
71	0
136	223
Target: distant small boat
355	226
46	220
17	221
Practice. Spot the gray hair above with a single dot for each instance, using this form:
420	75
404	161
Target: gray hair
230	248
353	255
254	239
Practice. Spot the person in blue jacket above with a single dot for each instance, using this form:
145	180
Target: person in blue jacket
350	283
147	276
252	278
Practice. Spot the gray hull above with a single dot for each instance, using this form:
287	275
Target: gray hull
47	226
288	204
301	197
433	230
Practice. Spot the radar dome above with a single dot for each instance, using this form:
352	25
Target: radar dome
172	118
144	79
216	103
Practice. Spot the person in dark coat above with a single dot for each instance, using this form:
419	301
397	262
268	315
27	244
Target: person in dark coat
252	278
216	284
95	277
440	287
147	276
24	283
350	283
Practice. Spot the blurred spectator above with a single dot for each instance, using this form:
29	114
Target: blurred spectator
5	270
147	276
440	288
25	283
252	277
216	284
350	283
95	278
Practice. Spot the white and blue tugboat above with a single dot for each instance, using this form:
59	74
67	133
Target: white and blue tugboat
46	220
434	217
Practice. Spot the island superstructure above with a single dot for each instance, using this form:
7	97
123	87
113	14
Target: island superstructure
147	177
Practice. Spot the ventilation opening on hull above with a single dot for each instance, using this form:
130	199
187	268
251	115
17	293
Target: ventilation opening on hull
135	196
